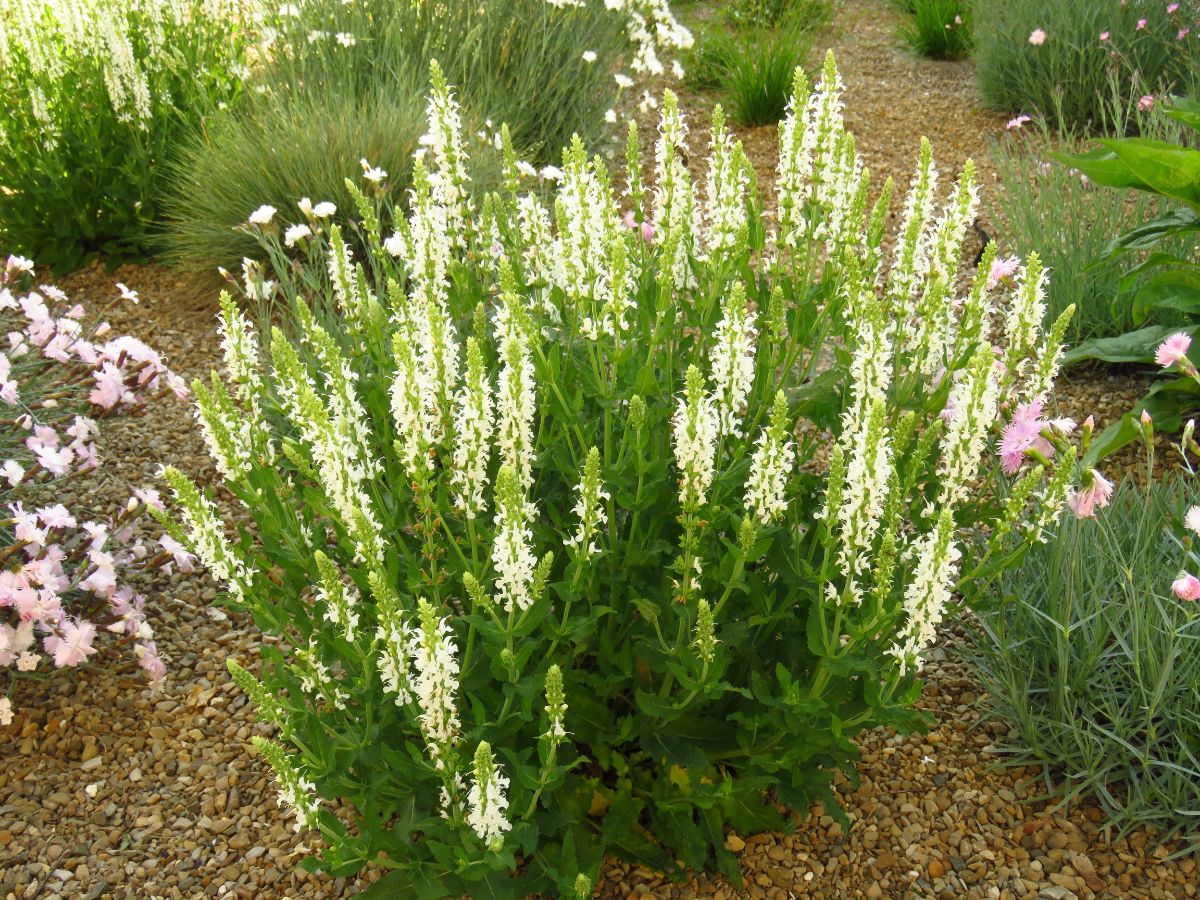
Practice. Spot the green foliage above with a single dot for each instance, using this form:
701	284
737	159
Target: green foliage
529	513
315	139
751	68
811	14
1044	204
940	29
324	105
1167	277
758	69
99	94
1094	662
1073	70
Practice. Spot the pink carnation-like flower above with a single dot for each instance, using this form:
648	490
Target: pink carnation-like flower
1017	122
1173	349
184	560
1172	7
1141	25
1023	433
1186	587
1104	35
73	645
1095	496
150	661
1037	37
1146	102
1182	33
1003	267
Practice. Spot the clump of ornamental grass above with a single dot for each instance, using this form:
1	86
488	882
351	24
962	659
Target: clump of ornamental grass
756	69
530	511
940	29
1063	57
99	94
1091	656
750	59
347	82
63	597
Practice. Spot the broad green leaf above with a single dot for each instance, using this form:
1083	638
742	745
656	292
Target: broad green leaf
1167	169
1177	290
1132	347
1181	220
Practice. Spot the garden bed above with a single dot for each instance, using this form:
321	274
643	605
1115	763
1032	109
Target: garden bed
111	790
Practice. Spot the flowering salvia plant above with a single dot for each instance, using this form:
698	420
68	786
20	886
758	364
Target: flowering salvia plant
606	526
63	597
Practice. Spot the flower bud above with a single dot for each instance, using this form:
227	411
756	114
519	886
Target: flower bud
637	412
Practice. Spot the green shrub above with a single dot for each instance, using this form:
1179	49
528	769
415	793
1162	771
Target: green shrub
1071	70
550	571
940	29
1049	206
98	96
1093	660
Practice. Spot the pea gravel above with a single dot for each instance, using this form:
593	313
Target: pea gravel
111	790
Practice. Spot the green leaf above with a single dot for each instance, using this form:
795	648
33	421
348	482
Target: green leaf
1167	169
1103	166
1175	289
1131	347
1180	220
1185	110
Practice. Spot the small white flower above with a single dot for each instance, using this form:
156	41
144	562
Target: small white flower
395	245
305	205
610	116
262	215
551	173
373	174
325	209
346	40
1192	520
589	56
128	293
623	80
295	234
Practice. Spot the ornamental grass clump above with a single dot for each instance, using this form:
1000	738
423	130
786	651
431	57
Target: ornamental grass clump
1092	657
64	597
538	509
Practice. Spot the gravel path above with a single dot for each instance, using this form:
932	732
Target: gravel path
109	790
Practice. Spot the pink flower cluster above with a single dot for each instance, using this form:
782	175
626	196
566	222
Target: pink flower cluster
60	578
1187	586
1030	436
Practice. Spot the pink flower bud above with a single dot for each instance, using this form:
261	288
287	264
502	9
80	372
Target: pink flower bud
1186	587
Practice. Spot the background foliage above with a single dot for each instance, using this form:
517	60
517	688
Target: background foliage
1072	73
99	95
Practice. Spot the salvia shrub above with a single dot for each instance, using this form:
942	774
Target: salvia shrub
62	578
98	96
537	502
